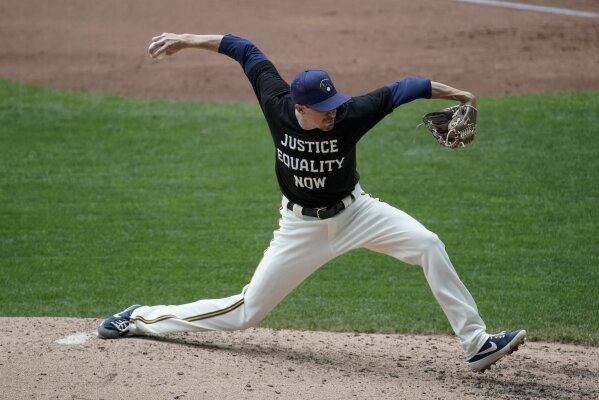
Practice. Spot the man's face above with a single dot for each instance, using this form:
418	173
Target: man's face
323	120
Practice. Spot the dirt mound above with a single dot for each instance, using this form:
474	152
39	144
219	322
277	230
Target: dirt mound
57	358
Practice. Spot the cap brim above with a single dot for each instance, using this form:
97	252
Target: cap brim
331	103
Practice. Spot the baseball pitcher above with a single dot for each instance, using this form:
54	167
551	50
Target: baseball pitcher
324	211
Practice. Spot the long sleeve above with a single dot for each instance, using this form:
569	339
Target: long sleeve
243	51
409	89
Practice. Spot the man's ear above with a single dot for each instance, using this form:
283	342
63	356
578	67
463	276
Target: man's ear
300	108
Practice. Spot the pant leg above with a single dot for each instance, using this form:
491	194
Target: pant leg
377	226
298	248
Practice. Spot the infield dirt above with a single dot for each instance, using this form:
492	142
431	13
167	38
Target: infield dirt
102	46
275	364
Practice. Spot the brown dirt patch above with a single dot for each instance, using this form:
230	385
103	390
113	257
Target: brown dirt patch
269	364
102	46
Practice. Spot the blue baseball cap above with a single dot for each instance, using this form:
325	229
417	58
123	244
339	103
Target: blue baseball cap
314	88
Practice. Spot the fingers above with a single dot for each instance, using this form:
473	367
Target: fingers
159	51
156	38
153	47
159	45
156	49
159	40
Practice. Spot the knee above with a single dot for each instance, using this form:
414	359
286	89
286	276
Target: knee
252	316
422	247
427	241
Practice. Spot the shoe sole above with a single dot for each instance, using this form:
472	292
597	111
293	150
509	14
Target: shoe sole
514	345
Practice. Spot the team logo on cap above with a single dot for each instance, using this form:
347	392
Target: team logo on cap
325	84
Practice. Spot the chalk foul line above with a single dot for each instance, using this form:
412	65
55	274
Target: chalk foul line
533	7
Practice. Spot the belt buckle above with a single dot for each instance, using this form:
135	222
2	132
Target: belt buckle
318	210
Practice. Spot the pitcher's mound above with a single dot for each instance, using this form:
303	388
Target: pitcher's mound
61	358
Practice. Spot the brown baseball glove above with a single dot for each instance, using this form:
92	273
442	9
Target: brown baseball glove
453	127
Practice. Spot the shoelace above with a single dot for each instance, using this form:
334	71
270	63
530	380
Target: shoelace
121	325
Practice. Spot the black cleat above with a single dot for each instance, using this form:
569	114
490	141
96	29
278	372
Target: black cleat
496	347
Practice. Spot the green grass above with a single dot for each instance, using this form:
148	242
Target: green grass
107	201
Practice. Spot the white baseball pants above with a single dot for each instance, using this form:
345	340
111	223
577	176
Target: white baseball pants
301	245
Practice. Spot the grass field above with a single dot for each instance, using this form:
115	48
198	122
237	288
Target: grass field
108	201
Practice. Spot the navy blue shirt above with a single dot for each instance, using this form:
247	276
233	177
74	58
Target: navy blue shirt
316	168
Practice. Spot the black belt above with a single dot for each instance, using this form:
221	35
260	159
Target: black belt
322	212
